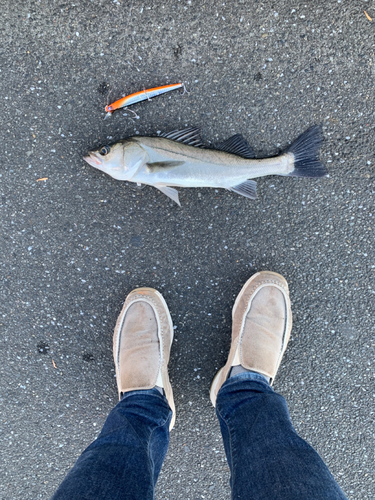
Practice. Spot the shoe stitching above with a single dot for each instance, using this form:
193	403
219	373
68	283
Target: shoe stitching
160	312
252	292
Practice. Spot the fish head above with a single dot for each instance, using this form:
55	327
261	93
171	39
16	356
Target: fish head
119	160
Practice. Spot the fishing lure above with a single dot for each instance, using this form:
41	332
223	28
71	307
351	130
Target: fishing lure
141	96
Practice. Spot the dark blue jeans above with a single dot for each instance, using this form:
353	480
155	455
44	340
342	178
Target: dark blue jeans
267	459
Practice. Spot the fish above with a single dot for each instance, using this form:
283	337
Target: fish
140	96
180	159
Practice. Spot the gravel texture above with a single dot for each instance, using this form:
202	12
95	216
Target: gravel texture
74	245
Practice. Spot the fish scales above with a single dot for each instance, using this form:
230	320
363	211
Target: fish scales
204	167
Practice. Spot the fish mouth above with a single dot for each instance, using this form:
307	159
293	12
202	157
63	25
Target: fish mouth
94	160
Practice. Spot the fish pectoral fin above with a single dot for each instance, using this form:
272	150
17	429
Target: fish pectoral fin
162	166
170	192
247	189
236	145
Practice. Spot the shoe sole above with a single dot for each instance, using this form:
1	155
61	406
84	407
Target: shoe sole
171	402
213	388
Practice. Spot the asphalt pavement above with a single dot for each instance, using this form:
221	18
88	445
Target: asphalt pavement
74	242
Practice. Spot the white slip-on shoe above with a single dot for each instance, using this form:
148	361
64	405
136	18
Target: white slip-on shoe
262	322
141	344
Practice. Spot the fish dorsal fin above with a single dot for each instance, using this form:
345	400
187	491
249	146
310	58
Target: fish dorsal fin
190	136
237	146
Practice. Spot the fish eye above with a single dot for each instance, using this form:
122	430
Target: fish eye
105	150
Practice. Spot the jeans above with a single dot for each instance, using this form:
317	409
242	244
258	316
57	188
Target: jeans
266	457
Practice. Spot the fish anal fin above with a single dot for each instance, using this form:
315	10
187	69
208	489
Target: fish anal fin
170	192
247	189
237	145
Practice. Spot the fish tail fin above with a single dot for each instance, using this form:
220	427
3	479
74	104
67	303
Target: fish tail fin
305	150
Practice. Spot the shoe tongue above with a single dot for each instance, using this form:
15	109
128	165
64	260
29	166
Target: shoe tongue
139	348
260	351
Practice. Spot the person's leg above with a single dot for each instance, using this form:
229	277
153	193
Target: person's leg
126	458
267	459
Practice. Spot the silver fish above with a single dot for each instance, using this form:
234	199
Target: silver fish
179	159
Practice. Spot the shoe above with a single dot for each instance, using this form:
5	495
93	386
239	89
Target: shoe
262	322
141	344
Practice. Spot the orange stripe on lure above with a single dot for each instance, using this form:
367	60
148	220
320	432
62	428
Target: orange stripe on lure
140	96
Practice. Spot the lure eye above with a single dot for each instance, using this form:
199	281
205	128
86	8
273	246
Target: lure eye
105	150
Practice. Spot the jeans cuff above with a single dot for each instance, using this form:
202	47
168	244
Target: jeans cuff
253	376
151	392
